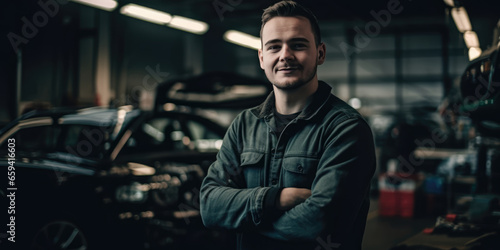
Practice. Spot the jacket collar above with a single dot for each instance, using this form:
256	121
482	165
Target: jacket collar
314	105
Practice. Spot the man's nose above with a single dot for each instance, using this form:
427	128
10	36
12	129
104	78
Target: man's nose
286	54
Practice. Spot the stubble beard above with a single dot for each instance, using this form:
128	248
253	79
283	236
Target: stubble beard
293	85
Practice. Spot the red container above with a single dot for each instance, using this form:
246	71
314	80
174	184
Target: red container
396	196
388	203
406	203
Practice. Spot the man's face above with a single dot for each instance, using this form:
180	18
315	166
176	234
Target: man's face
289	55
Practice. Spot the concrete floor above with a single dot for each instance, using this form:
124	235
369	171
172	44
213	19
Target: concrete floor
383	233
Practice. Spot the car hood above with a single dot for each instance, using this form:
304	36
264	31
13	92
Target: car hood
213	90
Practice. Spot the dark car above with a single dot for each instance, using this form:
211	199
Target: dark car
105	177
122	178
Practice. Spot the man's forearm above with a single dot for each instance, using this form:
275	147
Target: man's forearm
291	197
225	204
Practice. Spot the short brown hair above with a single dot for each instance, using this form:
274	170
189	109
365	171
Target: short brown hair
291	9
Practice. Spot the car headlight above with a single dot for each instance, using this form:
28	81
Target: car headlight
134	193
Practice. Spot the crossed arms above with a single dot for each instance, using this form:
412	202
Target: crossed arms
332	205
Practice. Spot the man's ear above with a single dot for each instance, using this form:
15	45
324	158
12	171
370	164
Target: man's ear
321	53
261	59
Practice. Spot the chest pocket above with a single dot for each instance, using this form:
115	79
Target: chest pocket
252	164
299	171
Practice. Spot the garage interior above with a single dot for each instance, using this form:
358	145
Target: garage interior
400	63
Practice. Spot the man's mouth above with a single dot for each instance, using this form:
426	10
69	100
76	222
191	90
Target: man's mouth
287	69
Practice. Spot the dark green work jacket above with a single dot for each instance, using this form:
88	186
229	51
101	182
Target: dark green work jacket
328	148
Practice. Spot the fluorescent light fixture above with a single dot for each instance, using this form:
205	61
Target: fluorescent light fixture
146	14
471	39
450	3
188	24
108	5
242	39
461	19
474	52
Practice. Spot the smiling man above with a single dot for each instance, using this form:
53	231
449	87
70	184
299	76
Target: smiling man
293	172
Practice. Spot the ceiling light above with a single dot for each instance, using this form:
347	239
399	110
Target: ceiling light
188	24
471	39
242	39
450	3
146	14
461	19
108	5
474	52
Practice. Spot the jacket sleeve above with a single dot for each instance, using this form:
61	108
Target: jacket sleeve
339	190
225	202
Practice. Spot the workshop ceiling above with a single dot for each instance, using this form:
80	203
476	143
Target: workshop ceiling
326	9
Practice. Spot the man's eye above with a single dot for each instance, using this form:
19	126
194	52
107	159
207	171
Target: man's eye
273	48
299	46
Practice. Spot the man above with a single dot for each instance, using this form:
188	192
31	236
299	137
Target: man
294	172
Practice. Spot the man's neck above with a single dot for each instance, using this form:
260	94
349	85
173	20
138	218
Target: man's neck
293	101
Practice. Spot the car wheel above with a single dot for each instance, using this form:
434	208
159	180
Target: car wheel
58	235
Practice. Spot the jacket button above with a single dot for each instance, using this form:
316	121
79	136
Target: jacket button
274	181
300	168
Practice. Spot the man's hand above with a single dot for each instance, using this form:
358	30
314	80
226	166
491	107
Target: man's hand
291	197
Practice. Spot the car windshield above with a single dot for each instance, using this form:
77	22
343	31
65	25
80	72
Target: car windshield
87	134
173	131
